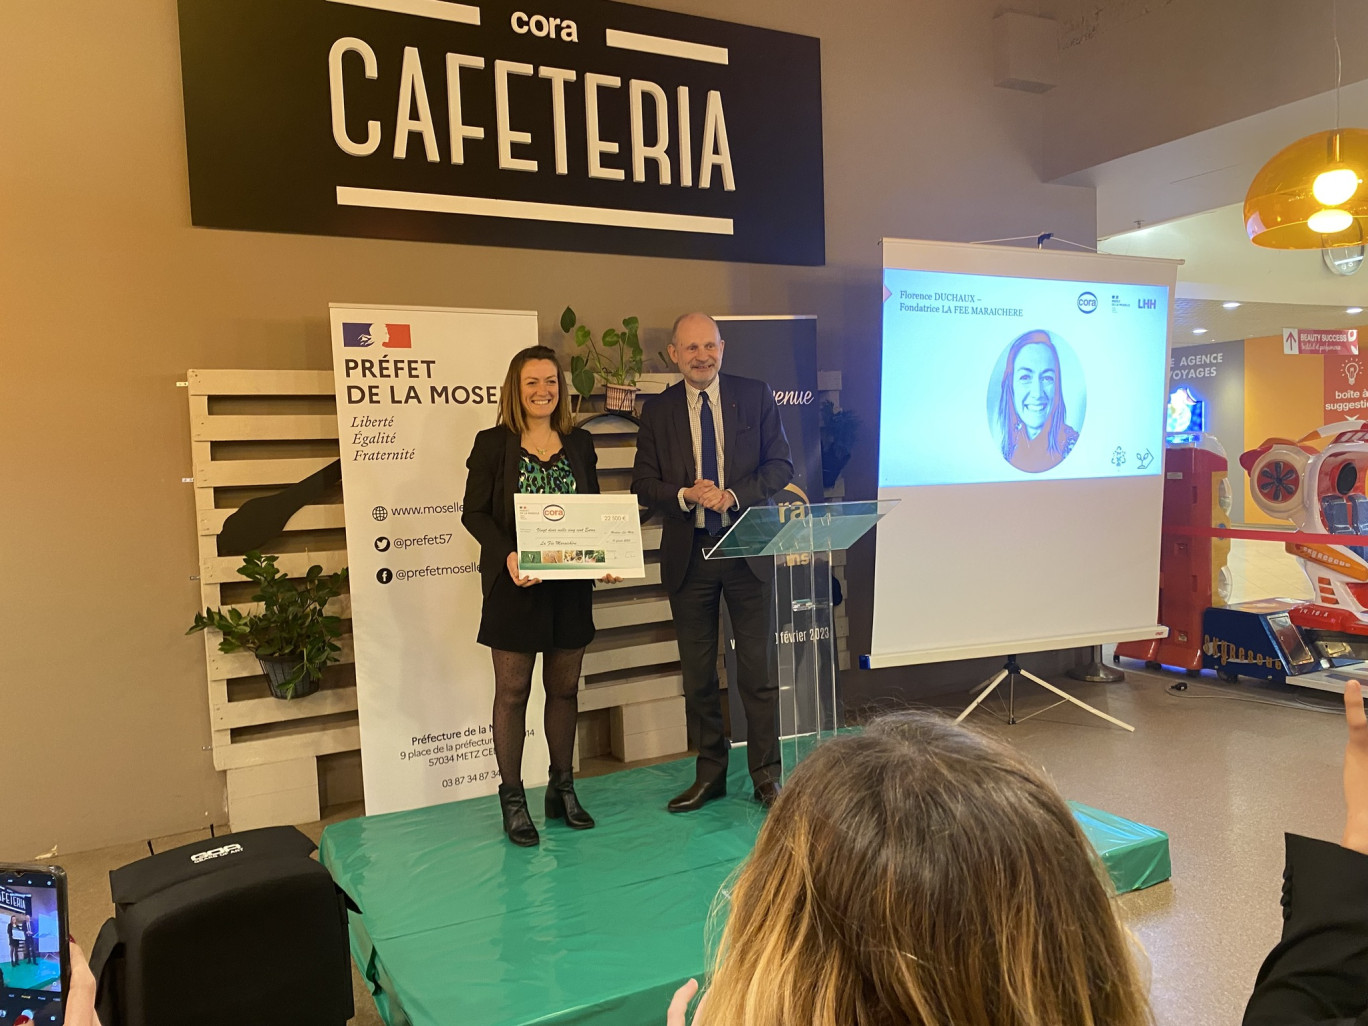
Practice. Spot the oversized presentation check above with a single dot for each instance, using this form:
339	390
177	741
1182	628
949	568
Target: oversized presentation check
567	536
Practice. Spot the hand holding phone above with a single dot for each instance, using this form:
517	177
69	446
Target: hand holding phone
80	1003
35	963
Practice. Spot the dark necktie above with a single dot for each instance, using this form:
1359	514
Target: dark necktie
707	437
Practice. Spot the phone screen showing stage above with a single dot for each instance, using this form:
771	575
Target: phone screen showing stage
32	936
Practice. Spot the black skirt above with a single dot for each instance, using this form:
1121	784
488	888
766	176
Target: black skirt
553	614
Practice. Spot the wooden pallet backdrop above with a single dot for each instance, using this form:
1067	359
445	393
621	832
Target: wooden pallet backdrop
254	432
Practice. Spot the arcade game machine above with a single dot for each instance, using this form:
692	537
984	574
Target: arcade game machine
1192	571
1317	485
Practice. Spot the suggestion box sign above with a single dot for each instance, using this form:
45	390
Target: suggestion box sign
557	124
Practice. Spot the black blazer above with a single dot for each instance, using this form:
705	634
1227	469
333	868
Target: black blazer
492	481
1318	973
755	450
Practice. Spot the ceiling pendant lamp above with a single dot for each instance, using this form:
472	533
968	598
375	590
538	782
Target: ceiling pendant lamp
1312	195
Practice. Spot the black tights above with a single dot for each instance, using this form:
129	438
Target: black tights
512	689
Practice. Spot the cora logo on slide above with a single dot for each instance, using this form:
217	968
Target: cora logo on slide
1087	302
553	512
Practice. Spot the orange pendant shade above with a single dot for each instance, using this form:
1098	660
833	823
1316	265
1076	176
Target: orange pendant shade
1313	194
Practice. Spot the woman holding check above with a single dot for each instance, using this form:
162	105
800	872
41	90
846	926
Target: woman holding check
535	447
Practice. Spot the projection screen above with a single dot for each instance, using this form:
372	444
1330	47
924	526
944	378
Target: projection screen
1022	427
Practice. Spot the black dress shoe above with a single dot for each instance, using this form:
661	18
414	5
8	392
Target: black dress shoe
767	792
563	803
699	793
517	822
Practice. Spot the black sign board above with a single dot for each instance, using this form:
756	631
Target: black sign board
16	901
579	124
782	351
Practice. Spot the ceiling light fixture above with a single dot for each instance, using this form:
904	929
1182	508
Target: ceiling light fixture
1310	195
1282	209
1334	187
1330	221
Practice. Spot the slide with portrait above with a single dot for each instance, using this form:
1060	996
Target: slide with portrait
996	379
1021	429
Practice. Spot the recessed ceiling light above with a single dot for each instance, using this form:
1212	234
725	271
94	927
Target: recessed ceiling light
1199	331
1354	310
1230	306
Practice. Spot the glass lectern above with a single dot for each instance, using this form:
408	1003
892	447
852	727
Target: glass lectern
800	539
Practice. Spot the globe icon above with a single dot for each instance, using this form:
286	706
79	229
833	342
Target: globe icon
380	513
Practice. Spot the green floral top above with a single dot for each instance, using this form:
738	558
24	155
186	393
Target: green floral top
552	477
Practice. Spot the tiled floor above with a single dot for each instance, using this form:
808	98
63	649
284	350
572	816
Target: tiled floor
1225	769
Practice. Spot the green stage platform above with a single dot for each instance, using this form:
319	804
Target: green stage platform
460	928
1136	856
37	975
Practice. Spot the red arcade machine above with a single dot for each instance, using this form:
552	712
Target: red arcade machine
1192	570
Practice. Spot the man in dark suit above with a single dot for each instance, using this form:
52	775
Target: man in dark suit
709	448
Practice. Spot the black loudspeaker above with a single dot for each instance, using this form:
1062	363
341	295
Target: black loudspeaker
244	928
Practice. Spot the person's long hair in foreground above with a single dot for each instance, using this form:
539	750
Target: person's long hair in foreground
921	873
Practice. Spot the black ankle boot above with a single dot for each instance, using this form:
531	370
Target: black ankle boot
561	800
517	823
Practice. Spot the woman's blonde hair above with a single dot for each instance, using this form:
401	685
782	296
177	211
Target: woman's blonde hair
511	413
921	873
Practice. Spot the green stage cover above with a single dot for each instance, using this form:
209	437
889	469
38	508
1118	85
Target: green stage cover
39	975
457	926
1136	856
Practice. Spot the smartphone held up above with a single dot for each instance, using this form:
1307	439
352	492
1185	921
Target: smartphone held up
35	970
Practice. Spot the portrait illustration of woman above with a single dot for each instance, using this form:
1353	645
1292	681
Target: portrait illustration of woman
1031	411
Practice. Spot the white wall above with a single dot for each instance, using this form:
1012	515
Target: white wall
1138	73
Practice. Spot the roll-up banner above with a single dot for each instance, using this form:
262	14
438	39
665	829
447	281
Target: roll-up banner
780	350
414	385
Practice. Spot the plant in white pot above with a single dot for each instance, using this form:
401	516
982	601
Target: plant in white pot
619	377
292	636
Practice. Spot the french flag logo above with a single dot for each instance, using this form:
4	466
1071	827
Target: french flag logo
388	336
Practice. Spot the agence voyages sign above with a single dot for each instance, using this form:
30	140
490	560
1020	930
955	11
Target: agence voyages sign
556	124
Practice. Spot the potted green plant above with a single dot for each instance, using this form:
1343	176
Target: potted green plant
840	430
292	637
619	377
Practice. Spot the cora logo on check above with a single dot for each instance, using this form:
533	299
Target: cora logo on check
553	512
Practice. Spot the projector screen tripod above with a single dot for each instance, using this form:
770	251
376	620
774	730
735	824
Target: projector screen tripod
1010	671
